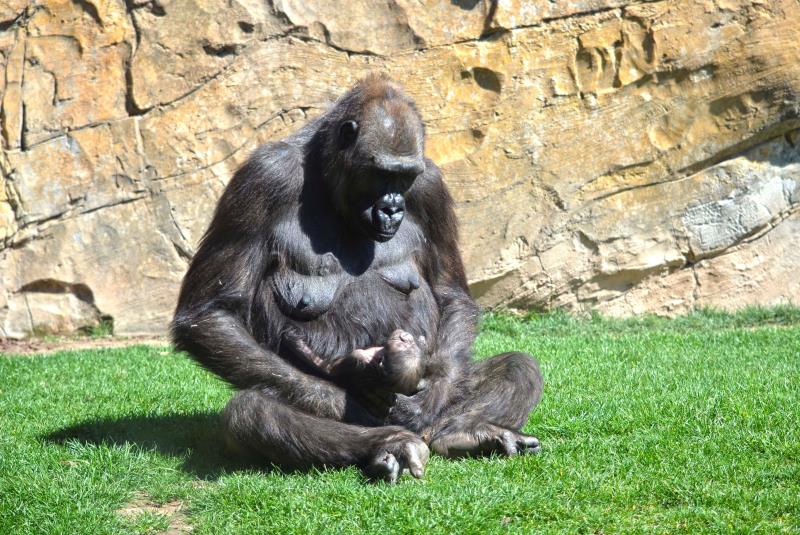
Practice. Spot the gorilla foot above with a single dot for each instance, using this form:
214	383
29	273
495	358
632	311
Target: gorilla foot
399	453
510	443
384	467
486	439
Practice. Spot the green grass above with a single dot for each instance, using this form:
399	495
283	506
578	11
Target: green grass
648	425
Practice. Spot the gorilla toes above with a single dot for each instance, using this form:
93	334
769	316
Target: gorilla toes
485	439
509	443
505	443
384	467
528	444
399	454
415	457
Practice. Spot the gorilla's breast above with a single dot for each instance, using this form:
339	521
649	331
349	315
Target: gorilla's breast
305	297
403	277
306	285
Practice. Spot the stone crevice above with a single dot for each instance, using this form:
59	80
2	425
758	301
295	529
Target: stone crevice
31	325
67	131
20	134
36	229
628	189
206	80
781	127
776	130
497	32
93	209
247	142
90	9
131	107
21	18
299	33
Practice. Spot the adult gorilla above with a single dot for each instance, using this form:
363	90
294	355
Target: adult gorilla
325	247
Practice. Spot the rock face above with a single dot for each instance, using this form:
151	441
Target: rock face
620	155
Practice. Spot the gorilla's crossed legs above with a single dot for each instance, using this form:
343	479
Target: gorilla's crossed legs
489	405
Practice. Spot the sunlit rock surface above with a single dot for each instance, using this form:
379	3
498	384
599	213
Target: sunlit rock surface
624	156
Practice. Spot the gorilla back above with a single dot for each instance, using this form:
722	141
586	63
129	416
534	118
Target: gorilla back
323	245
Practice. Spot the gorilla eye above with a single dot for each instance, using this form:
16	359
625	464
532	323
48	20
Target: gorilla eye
347	133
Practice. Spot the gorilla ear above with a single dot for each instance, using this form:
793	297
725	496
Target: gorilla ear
348	132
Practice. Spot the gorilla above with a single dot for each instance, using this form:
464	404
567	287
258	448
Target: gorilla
329	290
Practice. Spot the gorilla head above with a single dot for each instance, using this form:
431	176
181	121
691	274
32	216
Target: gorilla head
373	152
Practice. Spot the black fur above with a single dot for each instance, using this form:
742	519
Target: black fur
303	265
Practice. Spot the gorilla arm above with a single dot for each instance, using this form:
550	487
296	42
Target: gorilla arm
458	313
210	324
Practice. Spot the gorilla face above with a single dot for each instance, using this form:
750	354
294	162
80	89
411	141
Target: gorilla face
381	204
382	156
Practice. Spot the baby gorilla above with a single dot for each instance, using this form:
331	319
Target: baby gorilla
395	367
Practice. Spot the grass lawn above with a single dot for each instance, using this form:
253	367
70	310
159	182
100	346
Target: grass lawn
647	425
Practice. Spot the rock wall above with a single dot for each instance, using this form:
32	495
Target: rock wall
619	155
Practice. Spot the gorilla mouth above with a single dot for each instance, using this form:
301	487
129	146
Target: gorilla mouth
382	234
387	214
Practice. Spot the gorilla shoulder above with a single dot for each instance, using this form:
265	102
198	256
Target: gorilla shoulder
278	167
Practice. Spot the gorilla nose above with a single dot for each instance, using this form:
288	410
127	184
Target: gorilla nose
391	204
391	209
387	214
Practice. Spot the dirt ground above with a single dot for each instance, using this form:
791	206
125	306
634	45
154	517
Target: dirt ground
172	512
36	346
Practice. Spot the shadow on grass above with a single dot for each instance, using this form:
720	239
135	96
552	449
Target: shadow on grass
195	437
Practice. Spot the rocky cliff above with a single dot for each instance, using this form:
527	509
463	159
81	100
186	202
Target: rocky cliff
619	155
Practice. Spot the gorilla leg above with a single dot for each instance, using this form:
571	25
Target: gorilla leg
261	427
490	406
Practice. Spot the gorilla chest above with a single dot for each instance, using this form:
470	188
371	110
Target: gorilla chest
334	291
345	294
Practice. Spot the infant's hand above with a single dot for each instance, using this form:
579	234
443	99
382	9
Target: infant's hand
368	356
